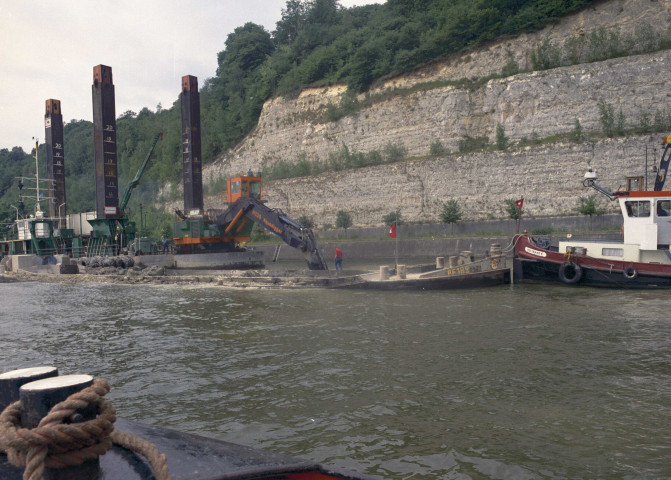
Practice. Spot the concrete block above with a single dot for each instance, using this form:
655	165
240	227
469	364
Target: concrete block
26	263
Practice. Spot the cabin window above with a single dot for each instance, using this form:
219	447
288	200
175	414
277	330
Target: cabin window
235	187
634	183
663	208
612	252
255	189
637	208
244	187
41	230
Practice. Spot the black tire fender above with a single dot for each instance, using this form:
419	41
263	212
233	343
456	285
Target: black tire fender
630	273
570	273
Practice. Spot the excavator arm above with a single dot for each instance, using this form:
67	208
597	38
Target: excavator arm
274	220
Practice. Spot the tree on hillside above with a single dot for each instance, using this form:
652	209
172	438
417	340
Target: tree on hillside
291	24
587	205
232	101
501	139
392	217
246	48
451	212
408	7
343	220
512	209
306	221
577	134
606	117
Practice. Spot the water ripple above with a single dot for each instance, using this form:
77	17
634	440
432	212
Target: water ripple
509	383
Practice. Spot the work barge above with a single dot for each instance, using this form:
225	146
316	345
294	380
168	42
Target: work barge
454	272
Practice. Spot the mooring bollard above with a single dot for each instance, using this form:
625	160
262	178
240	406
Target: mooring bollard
10	382
37	399
401	272
494	249
454	261
465	257
384	272
440	262
498	260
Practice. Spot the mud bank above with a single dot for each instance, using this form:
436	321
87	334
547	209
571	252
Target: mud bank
229	279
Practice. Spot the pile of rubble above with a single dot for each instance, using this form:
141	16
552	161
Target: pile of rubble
119	265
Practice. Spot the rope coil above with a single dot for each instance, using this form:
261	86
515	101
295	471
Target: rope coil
54	444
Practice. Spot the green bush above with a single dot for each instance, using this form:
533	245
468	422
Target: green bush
349	105
469	144
577	135
501	139
606	117
545	56
343	220
392	217
620	125
511	67
662	120
306	221
511	209
451	212
645	123
437	148
599	44
393	152
587	205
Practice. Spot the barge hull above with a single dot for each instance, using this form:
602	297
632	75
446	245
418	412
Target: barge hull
534	263
456	282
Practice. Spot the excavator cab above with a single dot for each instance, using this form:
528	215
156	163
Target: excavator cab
243	186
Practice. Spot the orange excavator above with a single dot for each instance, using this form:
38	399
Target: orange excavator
225	230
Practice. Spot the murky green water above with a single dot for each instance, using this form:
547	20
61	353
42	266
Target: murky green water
518	382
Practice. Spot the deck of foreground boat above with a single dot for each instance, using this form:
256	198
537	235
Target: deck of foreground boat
485	272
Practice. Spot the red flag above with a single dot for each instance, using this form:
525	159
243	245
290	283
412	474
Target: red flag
519	203
392	230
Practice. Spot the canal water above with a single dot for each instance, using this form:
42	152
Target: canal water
511	382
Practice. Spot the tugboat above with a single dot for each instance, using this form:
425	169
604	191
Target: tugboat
641	260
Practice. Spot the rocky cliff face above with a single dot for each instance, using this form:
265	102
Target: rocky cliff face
528	105
549	178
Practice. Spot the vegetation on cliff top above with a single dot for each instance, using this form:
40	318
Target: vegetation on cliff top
316	42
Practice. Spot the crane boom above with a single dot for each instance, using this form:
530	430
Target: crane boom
663	165
133	183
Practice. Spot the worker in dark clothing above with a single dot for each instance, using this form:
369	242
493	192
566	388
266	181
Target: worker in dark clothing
338	259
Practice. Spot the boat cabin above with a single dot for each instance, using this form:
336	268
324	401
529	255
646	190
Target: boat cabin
647	219
646	230
33	235
243	186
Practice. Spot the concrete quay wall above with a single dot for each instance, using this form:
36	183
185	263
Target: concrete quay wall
478	238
